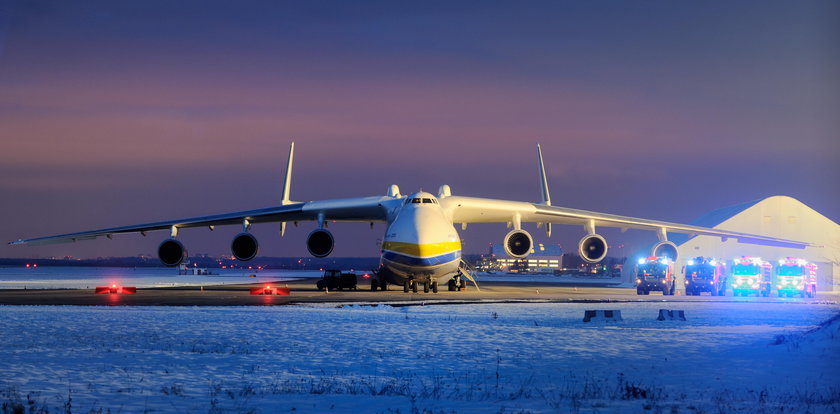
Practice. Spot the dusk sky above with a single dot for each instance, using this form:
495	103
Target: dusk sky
117	113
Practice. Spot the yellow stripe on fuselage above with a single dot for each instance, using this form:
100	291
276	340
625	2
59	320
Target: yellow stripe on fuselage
422	250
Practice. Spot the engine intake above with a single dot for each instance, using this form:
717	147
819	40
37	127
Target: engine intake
320	243
244	246
518	244
592	248
171	252
665	249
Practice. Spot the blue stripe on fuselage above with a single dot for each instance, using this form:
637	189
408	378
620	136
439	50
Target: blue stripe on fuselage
421	261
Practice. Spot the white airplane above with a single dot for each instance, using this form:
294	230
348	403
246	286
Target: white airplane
421	245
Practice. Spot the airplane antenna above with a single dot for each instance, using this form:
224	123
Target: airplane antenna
287	182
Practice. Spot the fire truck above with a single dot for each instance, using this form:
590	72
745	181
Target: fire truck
655	273
704	274
751	275
795	276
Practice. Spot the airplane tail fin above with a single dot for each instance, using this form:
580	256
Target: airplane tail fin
287	182
546	197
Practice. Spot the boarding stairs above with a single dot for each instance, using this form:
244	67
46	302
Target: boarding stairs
466	270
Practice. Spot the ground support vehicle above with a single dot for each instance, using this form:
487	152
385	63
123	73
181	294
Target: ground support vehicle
655	274
336	280
750	276
704	274
795	277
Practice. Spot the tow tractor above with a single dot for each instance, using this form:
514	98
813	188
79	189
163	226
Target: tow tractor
655	273
704	274
750	275
796	277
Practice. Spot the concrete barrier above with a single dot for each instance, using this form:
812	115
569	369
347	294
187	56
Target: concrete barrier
671	315
602	315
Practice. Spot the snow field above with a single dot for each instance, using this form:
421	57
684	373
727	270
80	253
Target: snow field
541	357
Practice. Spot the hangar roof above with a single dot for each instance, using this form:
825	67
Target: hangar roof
713	218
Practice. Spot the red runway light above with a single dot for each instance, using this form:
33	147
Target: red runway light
114	289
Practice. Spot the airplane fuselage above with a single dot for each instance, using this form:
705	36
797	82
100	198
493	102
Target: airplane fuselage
420	243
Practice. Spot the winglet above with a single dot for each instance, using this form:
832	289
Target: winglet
287	182
546	197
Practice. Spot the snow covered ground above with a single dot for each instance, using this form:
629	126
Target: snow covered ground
68	277
526	357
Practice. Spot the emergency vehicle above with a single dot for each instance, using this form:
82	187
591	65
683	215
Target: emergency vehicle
751	276
795	276
655	273
704	274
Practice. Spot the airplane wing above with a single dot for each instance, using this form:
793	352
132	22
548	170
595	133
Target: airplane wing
483	210
362	209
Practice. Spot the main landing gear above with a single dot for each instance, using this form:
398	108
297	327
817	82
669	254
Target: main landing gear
376	283
411	285
457	284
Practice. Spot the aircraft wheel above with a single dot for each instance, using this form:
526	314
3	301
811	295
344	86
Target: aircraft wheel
463	285
373	284
414	286
383	285
406	285
434	287
451	285
425	287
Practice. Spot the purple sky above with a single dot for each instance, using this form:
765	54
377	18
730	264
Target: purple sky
116	113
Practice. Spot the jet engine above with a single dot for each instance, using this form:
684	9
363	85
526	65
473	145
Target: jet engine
244	246
592	248
665	249
320	243
171	252
518	244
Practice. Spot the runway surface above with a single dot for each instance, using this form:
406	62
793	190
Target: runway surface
303	291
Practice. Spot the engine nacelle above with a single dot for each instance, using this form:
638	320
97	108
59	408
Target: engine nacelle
320	243
665	249
171	252
244	246
518	244
592	248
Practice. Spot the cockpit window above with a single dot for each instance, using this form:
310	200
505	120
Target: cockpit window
420	201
